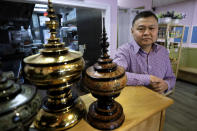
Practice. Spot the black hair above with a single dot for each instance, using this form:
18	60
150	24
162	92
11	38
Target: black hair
144	14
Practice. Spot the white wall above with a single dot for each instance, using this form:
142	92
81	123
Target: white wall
135	4
125	18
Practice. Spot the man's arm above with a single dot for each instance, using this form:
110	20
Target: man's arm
123	59
169	80
158	84
169	77
137	79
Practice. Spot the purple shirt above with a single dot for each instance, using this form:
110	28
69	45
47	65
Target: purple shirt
139	65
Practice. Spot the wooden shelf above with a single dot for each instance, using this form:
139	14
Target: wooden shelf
161	39
175	25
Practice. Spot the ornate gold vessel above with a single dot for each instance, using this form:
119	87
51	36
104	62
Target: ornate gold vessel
105	80
18	105
55	69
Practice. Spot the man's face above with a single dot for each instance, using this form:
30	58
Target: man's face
145	31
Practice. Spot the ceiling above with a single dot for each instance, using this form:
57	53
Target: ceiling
143	3
157	3
130	3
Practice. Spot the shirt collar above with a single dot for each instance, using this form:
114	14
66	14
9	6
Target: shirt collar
155	47
137	48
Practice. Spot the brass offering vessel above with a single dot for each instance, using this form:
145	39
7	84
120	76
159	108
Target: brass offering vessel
105	80
56	69
18	105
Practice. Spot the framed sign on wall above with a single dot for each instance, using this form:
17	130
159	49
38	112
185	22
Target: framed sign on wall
194	35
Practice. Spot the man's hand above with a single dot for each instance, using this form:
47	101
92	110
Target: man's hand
157	84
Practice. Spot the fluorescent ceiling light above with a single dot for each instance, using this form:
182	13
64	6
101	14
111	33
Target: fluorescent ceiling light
41	6
40	10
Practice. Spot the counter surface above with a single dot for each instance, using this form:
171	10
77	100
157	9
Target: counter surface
139	104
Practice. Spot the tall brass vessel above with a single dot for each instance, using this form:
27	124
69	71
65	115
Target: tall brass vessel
56	69
105	80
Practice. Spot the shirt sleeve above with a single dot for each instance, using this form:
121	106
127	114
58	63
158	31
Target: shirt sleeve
169	78
122	58
137	79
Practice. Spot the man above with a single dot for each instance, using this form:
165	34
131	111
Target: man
146	63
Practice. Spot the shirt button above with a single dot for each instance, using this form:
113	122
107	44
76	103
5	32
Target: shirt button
149	67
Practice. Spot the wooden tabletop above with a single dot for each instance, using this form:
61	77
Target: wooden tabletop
139	103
